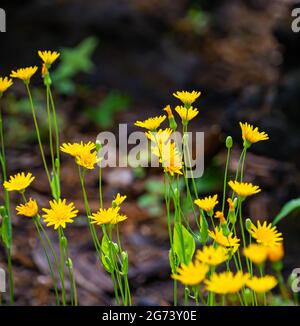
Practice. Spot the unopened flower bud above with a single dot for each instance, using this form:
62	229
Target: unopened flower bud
229	142
64	241
172	122
248	224
69	263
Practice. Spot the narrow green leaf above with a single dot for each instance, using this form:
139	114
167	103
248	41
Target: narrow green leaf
287	209
183	244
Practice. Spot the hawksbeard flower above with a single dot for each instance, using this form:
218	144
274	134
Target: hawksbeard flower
243	189
107	216
151	123
18	182
229	241
186	114
60	213
187	98
275	253
212	256
191	274
159	139
226	282
5	83
251	135
262	284
87	159
29	209
256	253
24	74
171	159
230	205
118	200
207	204
169	112
266	234
76	149
220	216
48	57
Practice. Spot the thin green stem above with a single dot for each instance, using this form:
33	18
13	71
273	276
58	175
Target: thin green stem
225	179
57	301
50	130
62	265
38	133
56	127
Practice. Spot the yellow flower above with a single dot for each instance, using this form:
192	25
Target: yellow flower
212	256
219	215
18	182
24	74
187	98
266	235
186	114
5	83
48	57
118	200
171	159
207	204
262	284
275	253
159	139
107	216
30	209
59	213
87	159
76	149
230	205
222	240
191	274
151	123
169	111
251	135
256	253
244	189
226	282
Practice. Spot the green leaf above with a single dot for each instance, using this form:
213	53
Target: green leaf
173	261
287	209
204	229
5	231
183	244
72	62
105	253
55	186
104	113
125	267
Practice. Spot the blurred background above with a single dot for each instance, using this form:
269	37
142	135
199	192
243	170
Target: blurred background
121	61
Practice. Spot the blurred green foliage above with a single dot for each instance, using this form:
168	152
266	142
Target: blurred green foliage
211	179
72	62
152	199
103	114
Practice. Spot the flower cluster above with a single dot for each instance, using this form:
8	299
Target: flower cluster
84	153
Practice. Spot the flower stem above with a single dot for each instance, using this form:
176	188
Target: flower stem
38	133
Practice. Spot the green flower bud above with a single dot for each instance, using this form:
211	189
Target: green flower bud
229	142
69	263
248	224
64	242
